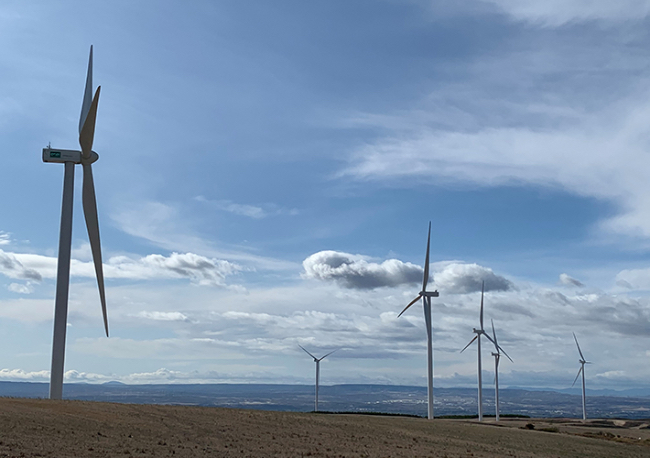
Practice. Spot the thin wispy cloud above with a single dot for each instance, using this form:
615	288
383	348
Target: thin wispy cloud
251	211
556	13
165	226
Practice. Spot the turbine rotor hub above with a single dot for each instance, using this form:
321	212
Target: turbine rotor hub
87	161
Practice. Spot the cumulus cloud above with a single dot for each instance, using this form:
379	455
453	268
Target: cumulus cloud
198	269
570	281
357	272
13	268
21	375
4	238
460	278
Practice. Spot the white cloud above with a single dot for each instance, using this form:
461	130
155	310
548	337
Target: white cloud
556	13
638	279
13	268
4	238
605	147
162	316
26	288
463	278
356	271
566	280
198	269
21	375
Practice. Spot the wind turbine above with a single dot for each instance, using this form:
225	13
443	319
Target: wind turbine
426	302
477	337
497	356
582	370
70	158
317	361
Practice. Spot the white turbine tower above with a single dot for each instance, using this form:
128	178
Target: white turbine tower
582	370
477	337
497	356
317	361
70	158
426	301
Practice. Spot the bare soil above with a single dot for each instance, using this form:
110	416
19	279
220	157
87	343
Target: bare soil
39	428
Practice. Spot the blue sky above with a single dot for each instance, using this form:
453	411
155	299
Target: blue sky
268	170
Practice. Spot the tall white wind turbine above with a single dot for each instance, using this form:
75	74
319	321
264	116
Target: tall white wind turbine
317	361
426	301
477	337
70	158
497	356
582	370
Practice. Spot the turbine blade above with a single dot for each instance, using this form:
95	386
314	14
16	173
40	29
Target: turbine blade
315	359
410	304
504	352
579	351
426	261
494	334
92	224
489	338
88	92
87	133
574	381
327	355
470	343
482	291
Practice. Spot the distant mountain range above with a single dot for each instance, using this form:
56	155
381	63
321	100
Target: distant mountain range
354	398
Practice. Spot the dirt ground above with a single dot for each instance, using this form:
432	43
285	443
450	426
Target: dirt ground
38	428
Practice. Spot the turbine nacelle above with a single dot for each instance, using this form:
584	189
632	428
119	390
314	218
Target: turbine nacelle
429	293
61	156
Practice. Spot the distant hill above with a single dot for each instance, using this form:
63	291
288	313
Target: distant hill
408	400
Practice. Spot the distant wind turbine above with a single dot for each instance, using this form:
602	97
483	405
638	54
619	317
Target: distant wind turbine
477	337
497	356
317	361
426	301
70	158
582	370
